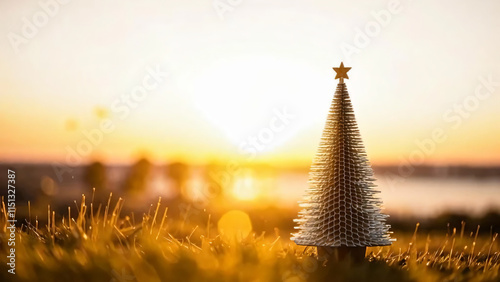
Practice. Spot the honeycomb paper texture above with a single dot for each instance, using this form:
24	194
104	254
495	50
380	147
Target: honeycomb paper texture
341	207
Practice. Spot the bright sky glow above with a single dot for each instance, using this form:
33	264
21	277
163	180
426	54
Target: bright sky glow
229	76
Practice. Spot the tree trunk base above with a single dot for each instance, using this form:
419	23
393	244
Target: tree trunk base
337	254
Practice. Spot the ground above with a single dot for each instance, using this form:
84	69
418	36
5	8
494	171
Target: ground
100	244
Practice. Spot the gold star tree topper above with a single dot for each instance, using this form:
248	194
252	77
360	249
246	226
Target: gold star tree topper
341	72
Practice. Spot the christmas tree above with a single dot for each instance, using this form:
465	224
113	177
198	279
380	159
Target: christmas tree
341	210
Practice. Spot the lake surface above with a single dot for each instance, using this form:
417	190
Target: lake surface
421	196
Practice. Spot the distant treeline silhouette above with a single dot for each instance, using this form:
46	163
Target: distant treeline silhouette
459	171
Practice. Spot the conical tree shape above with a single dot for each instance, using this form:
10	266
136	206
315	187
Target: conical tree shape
340	209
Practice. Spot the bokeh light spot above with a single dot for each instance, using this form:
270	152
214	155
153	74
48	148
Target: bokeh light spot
48	186
235	224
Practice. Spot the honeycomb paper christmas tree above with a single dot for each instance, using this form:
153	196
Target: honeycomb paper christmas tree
341	213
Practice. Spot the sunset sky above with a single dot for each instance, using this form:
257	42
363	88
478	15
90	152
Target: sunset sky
249	77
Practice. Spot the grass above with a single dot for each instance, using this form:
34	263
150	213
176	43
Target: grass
99	244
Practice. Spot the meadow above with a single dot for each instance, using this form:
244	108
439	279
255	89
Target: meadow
94	242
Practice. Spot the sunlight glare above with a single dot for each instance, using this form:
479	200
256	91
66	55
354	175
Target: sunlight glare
245	189
241	96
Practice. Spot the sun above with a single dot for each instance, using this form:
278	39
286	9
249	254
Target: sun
241	97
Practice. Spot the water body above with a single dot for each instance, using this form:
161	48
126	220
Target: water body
419	196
